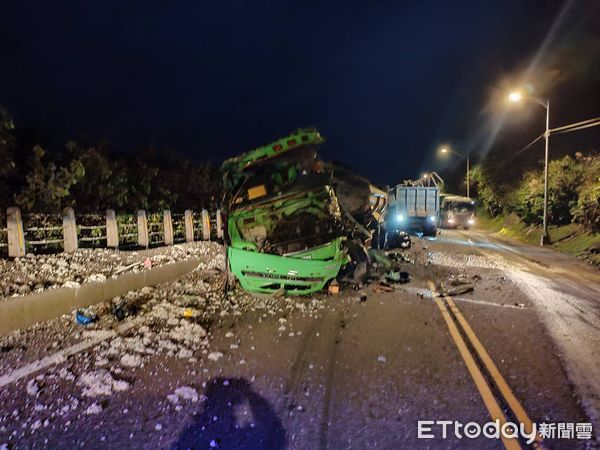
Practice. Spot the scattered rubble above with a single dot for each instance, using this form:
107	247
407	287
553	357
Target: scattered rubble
36	273
100	382
94	408
215	356
187	393
33	388
173	319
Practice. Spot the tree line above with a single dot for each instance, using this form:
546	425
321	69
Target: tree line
573	192
94	178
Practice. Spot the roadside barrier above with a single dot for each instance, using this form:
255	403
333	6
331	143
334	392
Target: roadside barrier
41	233
21	312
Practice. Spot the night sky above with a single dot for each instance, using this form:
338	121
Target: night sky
384	82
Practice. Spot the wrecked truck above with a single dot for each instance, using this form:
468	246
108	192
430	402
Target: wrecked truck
293	222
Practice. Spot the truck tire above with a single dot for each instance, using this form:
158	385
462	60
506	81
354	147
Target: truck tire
430	231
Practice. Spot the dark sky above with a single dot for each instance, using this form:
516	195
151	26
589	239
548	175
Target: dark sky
384	82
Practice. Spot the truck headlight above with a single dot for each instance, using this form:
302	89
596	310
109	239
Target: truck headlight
471	221
450	220
399	218
432	218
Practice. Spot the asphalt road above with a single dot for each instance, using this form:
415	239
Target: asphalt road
360	374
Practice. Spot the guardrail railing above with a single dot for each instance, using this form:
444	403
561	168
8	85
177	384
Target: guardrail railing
42	233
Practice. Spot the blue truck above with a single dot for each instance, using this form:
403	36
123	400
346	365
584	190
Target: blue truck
413	209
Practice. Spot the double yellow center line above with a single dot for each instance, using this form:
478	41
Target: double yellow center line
454	319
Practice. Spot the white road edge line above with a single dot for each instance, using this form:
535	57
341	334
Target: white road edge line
62	355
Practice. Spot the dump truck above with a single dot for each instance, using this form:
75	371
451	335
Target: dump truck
293	222
413	209
457	211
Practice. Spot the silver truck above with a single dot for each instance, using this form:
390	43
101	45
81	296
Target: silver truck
457	211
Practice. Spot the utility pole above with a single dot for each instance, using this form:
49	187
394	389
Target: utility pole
545	239
516	97
468	169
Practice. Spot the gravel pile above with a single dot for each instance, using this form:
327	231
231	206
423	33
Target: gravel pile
35	273
172	320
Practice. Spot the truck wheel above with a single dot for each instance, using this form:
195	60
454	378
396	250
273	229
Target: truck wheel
430	231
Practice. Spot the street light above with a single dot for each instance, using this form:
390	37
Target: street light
446	150
515	97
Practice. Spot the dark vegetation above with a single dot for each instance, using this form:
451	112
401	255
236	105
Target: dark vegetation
573	192
93	178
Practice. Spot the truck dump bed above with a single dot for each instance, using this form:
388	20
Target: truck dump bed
414	208
416	201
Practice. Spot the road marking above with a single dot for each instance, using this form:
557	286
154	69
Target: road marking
499	381
62	355
492	369
482	386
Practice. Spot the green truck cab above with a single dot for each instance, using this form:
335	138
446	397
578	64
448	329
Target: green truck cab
284	224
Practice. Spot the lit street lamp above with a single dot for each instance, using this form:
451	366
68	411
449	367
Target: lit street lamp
516	97
446	150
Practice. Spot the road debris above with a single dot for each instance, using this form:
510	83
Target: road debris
457	290
100	382
187	393
334	288
215	356
380	287
37	273
85	317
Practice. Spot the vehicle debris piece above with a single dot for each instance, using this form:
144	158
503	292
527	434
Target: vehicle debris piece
398	276
457	290
396	238
334	288
85	317
380	287
124	310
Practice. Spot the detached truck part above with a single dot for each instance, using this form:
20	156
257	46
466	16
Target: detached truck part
413	208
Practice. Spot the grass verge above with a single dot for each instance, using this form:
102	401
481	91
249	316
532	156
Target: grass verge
571	238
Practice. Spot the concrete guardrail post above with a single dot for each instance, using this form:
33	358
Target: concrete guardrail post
205	225
219	225
69	227
189	225
168	227
112	230
16	234
142	225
